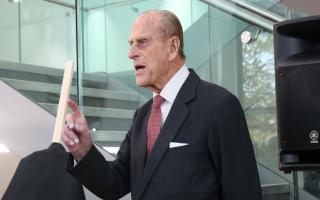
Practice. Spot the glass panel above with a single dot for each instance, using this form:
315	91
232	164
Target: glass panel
259	87
9	31
309	181
196	41
225	50
247	70
47	33
259	97
47	41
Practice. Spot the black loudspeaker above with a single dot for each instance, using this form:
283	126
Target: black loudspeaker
297	63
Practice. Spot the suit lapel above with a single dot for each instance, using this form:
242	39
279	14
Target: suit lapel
177	115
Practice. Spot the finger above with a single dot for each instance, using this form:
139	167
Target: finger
74	107
70	120
73	139
72	135
65	138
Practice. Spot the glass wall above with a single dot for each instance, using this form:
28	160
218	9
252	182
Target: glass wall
37	32
47	33
37	38
9	31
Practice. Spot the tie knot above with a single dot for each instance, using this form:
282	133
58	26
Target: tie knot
157	101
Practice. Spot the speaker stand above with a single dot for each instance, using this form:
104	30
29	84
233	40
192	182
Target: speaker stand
295	185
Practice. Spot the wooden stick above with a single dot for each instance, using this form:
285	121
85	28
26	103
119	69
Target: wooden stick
64	96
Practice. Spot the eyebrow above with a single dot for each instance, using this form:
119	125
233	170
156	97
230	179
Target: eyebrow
143	37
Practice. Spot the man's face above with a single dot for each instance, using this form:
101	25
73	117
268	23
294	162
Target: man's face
149	52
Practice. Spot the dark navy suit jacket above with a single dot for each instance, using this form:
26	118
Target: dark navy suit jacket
217	164
42	176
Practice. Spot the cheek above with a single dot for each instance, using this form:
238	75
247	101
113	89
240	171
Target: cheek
152	63
156	62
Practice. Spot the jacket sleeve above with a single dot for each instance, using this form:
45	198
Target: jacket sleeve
232	152
106	179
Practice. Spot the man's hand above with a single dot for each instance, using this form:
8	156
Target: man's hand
76	134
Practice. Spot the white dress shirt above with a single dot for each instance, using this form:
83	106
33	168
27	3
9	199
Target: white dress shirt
171	89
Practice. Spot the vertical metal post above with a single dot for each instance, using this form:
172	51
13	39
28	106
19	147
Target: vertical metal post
19	31
79	50
295	185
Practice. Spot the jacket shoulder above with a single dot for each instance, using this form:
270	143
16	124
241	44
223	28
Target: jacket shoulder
213	91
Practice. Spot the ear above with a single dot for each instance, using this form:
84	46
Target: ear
174	48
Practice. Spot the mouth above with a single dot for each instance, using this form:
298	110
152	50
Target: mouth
139	67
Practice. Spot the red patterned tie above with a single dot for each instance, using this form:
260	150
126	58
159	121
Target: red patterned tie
154	123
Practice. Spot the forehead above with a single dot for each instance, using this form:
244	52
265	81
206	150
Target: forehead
144	26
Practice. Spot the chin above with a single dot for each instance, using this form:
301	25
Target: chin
140	83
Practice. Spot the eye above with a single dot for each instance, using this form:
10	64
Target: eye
142	42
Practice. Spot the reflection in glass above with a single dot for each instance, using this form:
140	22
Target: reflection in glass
47	33
9	31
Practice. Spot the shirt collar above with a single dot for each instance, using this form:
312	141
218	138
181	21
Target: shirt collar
172	87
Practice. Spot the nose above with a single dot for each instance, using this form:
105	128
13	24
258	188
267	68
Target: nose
132	53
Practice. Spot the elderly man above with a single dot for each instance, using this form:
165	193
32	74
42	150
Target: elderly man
190	142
